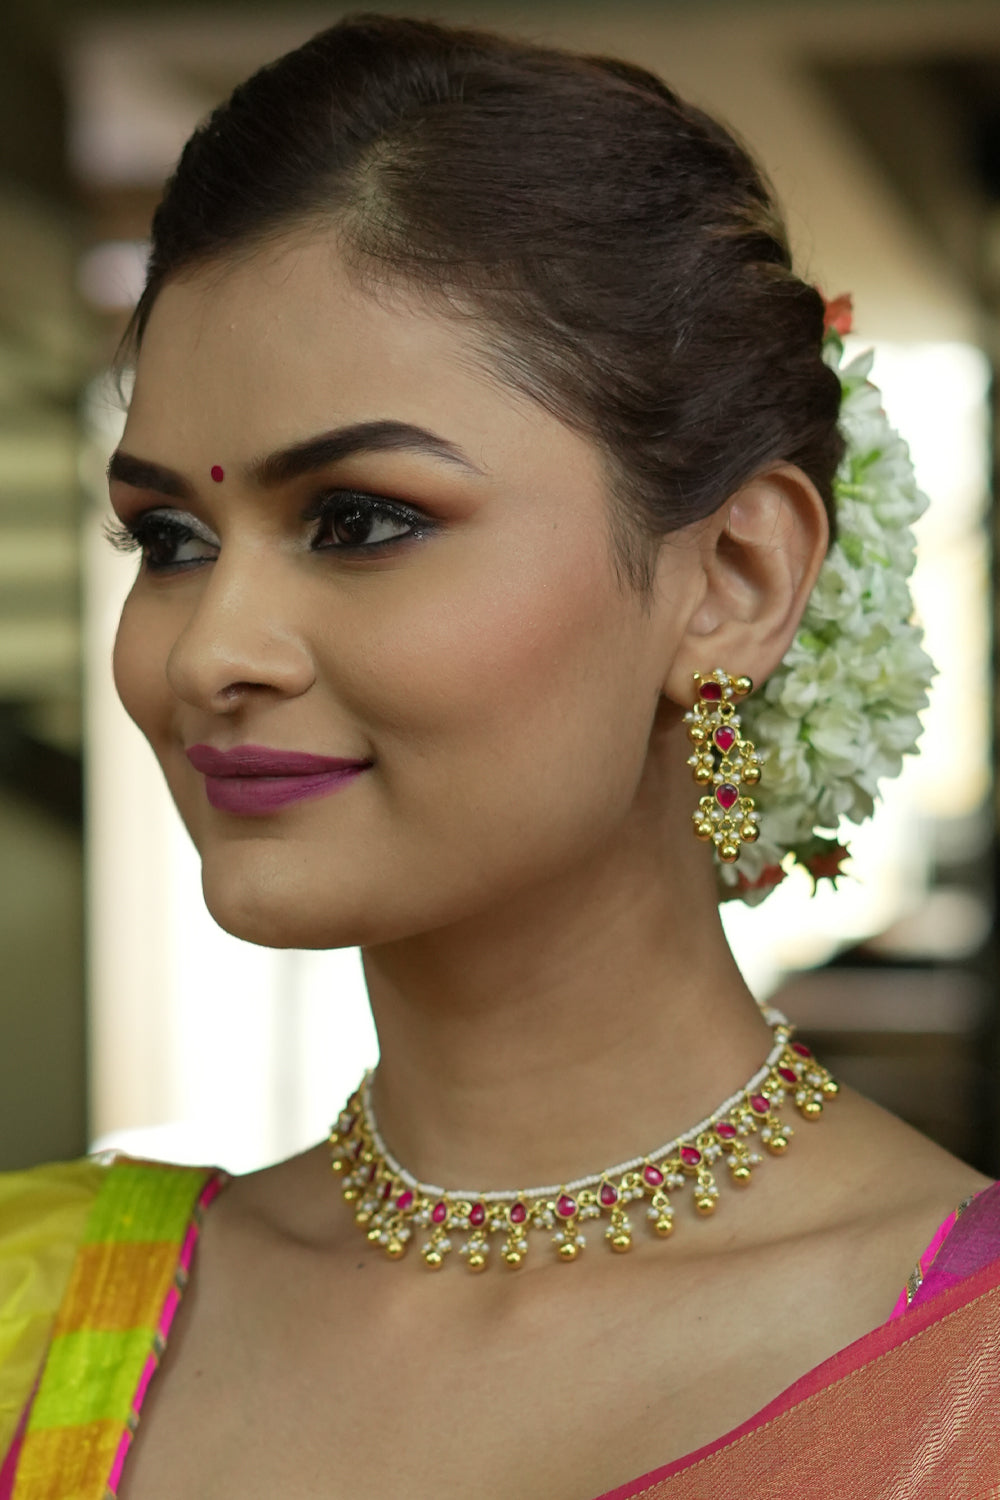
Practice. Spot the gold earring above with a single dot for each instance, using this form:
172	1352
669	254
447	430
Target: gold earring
724	760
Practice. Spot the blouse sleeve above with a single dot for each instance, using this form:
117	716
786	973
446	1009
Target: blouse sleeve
42	1215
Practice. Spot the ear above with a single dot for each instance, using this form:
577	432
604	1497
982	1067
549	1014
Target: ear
759	554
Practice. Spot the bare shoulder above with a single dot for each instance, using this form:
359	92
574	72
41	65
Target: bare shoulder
881	1191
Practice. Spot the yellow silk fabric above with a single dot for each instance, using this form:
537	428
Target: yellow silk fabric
42	1215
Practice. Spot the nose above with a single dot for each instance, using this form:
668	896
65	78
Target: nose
241	638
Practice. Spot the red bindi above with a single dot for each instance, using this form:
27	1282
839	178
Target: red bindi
218	473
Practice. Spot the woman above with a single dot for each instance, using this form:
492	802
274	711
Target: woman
476	411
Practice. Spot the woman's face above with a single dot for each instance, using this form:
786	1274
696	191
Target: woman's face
359	546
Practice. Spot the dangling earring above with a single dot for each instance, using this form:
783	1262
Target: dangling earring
727	817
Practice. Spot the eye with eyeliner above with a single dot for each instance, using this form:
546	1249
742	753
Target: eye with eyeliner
345	521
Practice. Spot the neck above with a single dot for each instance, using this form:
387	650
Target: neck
588	1021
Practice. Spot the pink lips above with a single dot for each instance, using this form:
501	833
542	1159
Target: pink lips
251	779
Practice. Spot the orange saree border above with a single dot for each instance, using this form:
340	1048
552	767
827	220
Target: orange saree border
910	1411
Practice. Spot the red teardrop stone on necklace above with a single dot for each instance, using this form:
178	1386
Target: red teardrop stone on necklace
518	1213
477	1215
404	1201
788	1074
801	1049
439	1213
726	795
608	1195
387	1192
725	1131
566	1206
760	1104
725	737
710	691
690	1156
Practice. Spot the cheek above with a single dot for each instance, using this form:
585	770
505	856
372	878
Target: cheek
524	696
139	662
135	669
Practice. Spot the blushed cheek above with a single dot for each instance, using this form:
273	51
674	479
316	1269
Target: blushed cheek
516	687
139	669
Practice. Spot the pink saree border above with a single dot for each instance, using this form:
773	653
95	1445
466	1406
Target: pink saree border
868	1348
168	1312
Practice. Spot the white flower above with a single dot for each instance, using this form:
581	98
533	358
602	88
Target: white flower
840	712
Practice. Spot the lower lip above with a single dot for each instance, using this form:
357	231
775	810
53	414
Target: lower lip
255	795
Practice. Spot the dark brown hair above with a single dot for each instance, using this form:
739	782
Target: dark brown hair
619	249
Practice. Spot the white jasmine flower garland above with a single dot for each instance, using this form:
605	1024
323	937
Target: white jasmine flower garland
840	712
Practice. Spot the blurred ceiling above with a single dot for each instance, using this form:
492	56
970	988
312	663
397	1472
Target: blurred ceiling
879	122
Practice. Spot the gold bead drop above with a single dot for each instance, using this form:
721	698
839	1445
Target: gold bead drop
729	852
620	1243
664	1228
395	1249
568	1251
512	1258
477	1261
741	1175
744	685
705	1206
777	1144
433	1260
812	1109
831	1088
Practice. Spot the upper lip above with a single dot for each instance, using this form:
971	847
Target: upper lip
259	760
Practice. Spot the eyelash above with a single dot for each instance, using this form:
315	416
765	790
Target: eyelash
141	533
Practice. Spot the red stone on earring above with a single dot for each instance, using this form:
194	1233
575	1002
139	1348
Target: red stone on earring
725	737
727	795
218	473
711	692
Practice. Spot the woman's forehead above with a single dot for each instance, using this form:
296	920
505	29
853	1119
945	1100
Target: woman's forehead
262	353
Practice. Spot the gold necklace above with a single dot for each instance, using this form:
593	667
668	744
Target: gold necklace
390	1204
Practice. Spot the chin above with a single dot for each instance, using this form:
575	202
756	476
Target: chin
280	908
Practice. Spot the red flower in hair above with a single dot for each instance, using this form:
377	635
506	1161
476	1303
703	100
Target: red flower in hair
769	877
826	864
838	314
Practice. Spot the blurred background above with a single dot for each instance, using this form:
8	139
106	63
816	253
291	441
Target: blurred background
126	1016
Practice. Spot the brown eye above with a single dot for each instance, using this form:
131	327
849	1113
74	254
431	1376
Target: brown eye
360	521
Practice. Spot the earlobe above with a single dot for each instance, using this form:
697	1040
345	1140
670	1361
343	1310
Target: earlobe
761	553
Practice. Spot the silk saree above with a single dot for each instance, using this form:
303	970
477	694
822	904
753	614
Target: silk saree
93	1262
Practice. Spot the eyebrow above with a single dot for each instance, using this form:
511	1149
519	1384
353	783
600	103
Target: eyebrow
302	458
